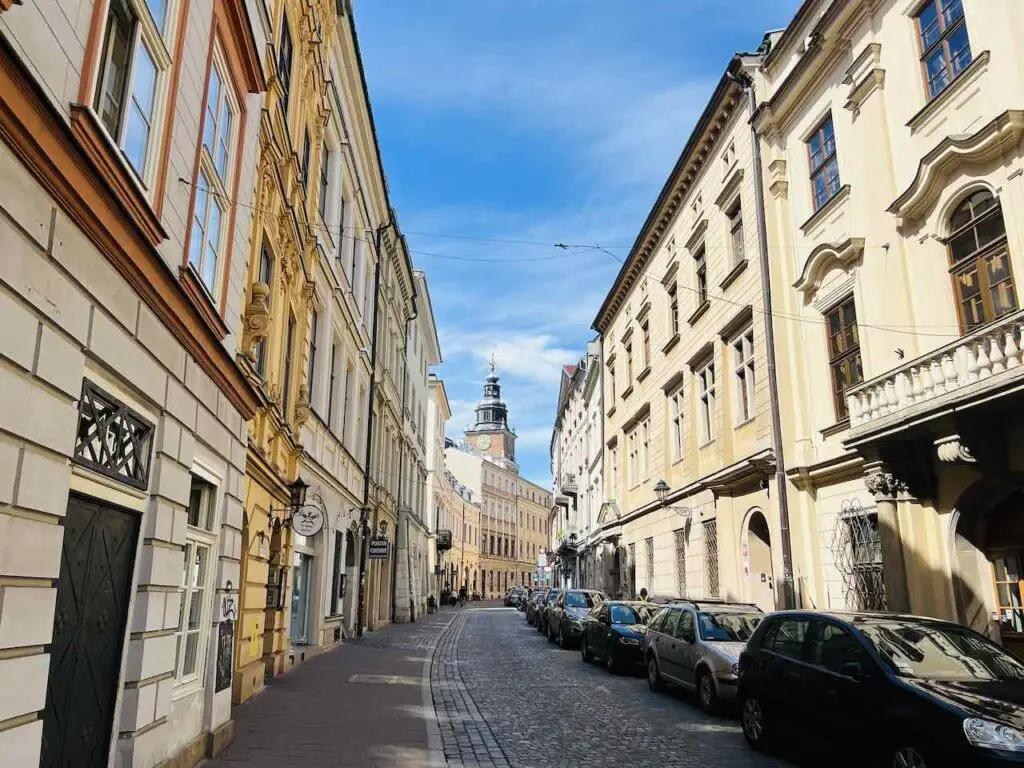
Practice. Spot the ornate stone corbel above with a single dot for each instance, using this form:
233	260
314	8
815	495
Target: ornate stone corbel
884	485
953	449
255	319
302	407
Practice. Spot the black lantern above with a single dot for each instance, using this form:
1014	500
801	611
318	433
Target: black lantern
661	490
298	493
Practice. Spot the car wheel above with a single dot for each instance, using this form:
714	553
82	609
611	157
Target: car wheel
562	642
754	723
549	632
654	679
585	653
706	693
611	663
907	757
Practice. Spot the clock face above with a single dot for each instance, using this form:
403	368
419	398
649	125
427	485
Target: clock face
484	442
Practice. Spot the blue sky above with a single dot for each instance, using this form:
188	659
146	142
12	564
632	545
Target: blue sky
549	121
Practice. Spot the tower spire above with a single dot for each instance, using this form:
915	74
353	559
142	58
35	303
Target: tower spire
492	363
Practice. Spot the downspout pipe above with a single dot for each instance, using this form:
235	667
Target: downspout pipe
786	597
364	513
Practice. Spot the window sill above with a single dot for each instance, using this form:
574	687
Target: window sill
835	429
745	423
958	85
834	202
670	344
734	273
707	444
699	312
106	158
186	689
643	374
627	392
199	297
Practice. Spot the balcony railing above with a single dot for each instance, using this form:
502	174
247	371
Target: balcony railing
992	355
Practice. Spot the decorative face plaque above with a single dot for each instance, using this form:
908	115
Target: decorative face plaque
307	521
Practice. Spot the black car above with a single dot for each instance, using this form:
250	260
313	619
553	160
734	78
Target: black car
541	618
533	605
512	596
614	632
566	613
911	692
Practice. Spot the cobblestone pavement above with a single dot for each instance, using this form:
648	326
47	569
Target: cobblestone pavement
505	697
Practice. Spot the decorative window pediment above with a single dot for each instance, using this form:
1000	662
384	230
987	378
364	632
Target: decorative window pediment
823	258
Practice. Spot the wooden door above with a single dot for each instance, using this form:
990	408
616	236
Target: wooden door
93	594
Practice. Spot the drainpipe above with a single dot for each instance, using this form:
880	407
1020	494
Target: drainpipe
364	514
401	464
787	595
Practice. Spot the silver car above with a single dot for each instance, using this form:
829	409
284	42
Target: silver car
697	645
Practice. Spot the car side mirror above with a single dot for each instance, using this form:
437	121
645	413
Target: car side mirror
853	669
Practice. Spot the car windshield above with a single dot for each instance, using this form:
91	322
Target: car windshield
552	595
631	614
936	652
579	600
728	627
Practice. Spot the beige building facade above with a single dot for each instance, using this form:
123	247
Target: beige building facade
460	514
892	140
124	418
534	503
685	396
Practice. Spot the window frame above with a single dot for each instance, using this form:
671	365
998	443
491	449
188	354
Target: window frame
673	308
311	363
706	385
744	375
326	157
677	410
700	271
285	63
941	42
828	157
287	383
645	336
737	239
834	360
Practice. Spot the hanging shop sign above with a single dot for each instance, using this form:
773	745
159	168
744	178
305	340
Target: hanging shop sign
444	540
379	548
307	521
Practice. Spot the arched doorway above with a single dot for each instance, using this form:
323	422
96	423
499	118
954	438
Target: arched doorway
988	566
758	563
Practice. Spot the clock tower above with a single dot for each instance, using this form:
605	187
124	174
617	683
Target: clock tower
491	435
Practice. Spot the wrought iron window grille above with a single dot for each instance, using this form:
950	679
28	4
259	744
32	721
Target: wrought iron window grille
112	439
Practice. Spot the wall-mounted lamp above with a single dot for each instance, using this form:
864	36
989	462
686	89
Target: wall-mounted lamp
305	519
661	490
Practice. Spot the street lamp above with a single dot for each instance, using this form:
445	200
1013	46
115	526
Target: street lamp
297	493
661	490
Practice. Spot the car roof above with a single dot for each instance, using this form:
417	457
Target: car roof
715	605
631	603
866	617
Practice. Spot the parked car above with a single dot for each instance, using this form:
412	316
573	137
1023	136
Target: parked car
697	645
512	596
542	610
533	605
905	690
565	615
614	632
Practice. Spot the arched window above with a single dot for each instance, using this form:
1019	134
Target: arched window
980	262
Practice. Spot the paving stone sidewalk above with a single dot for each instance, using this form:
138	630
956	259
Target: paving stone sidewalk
365	704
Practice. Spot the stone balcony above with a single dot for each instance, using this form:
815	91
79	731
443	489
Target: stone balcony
567	484
976	368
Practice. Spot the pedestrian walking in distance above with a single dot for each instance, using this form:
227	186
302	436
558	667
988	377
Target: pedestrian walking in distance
643	594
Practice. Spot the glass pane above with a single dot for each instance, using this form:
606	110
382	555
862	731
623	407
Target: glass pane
115	67
963	245
191	650
998	268
1003	298
952	10
961	216
197	571
928	25
158	10
213	239
1013	569
136	139
195	609
938	73
144	81
195	505
968	283
212	100
959	49
224	142
1000	568
990	229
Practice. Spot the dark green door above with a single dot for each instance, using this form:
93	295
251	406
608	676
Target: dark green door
93	594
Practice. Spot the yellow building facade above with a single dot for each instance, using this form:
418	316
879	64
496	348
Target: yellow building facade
276	324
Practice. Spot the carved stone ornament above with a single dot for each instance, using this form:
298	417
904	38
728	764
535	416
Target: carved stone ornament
952	449
884	485
302	407
256	318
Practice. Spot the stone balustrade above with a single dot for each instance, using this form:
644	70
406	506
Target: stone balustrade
987	353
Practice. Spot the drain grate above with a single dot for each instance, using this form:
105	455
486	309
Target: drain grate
385	679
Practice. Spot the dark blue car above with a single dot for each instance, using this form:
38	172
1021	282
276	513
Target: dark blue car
907	692
614	631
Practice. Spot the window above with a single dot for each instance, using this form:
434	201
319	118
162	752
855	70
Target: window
645	446
306	149
729	156
844	353
832	646
614	462
649	551
787	638
332	385
945	49
130	82
673	309
325	182
190	638
311	371
286	388
980	262
824	164
686	629
337	577
207	240
743	353
679	539
735	215
706	384
629	365
711	556
632	455
264	276
1009	580
645	329
284	64
701	272
677	406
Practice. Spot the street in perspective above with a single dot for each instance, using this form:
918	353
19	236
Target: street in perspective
499	385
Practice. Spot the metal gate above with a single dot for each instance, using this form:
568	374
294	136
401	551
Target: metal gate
93	594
